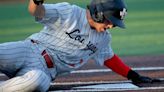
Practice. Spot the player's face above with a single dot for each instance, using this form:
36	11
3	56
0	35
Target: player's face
100	27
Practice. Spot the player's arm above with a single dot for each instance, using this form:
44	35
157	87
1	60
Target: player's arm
36	8
117	65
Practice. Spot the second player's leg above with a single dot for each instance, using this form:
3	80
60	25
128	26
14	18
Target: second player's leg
34	80
12	57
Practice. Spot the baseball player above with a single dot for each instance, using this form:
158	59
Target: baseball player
71	36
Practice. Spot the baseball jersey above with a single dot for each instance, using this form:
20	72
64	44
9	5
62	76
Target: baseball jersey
69	38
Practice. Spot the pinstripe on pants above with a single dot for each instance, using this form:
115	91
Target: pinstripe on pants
21	62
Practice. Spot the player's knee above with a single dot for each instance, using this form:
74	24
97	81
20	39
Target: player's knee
38	81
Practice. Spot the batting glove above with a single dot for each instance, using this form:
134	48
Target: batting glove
37	2
136	78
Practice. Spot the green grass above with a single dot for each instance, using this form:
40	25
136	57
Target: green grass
143	35
81	3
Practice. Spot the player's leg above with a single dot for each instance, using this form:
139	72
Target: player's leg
35	80
12	57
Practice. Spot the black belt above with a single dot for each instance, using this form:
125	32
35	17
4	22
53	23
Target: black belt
46	56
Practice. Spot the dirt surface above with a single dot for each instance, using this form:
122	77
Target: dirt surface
132	61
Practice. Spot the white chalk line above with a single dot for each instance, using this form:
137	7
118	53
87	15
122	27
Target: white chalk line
111	90
111	86
83	89
93	82
108	70
108	86
85	83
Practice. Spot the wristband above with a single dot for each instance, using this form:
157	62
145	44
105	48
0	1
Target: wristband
117	65
37	2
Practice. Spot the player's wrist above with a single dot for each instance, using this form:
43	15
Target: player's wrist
132	75
38	2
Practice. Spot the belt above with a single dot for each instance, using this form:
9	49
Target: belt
46	56
48	59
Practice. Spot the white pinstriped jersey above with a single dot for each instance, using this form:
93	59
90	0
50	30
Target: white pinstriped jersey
69	38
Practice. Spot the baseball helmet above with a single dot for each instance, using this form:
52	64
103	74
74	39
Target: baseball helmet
111	10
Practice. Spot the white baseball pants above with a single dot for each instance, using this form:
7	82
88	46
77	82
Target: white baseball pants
22	63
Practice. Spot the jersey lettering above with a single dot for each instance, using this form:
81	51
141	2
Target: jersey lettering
78	37
90	46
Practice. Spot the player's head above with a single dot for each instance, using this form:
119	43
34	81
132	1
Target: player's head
108	10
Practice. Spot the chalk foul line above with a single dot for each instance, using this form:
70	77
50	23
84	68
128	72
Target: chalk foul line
108	70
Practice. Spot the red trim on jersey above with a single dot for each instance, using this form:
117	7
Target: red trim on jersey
116	64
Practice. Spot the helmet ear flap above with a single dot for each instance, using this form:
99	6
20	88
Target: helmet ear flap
96	15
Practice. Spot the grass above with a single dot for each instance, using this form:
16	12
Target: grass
144	33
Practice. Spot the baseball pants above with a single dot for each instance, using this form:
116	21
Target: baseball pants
22	62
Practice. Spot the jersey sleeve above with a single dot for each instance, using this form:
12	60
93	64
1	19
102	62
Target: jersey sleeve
104	54
55	13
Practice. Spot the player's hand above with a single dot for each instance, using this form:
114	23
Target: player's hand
36	10
38	2
144	79
136	78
